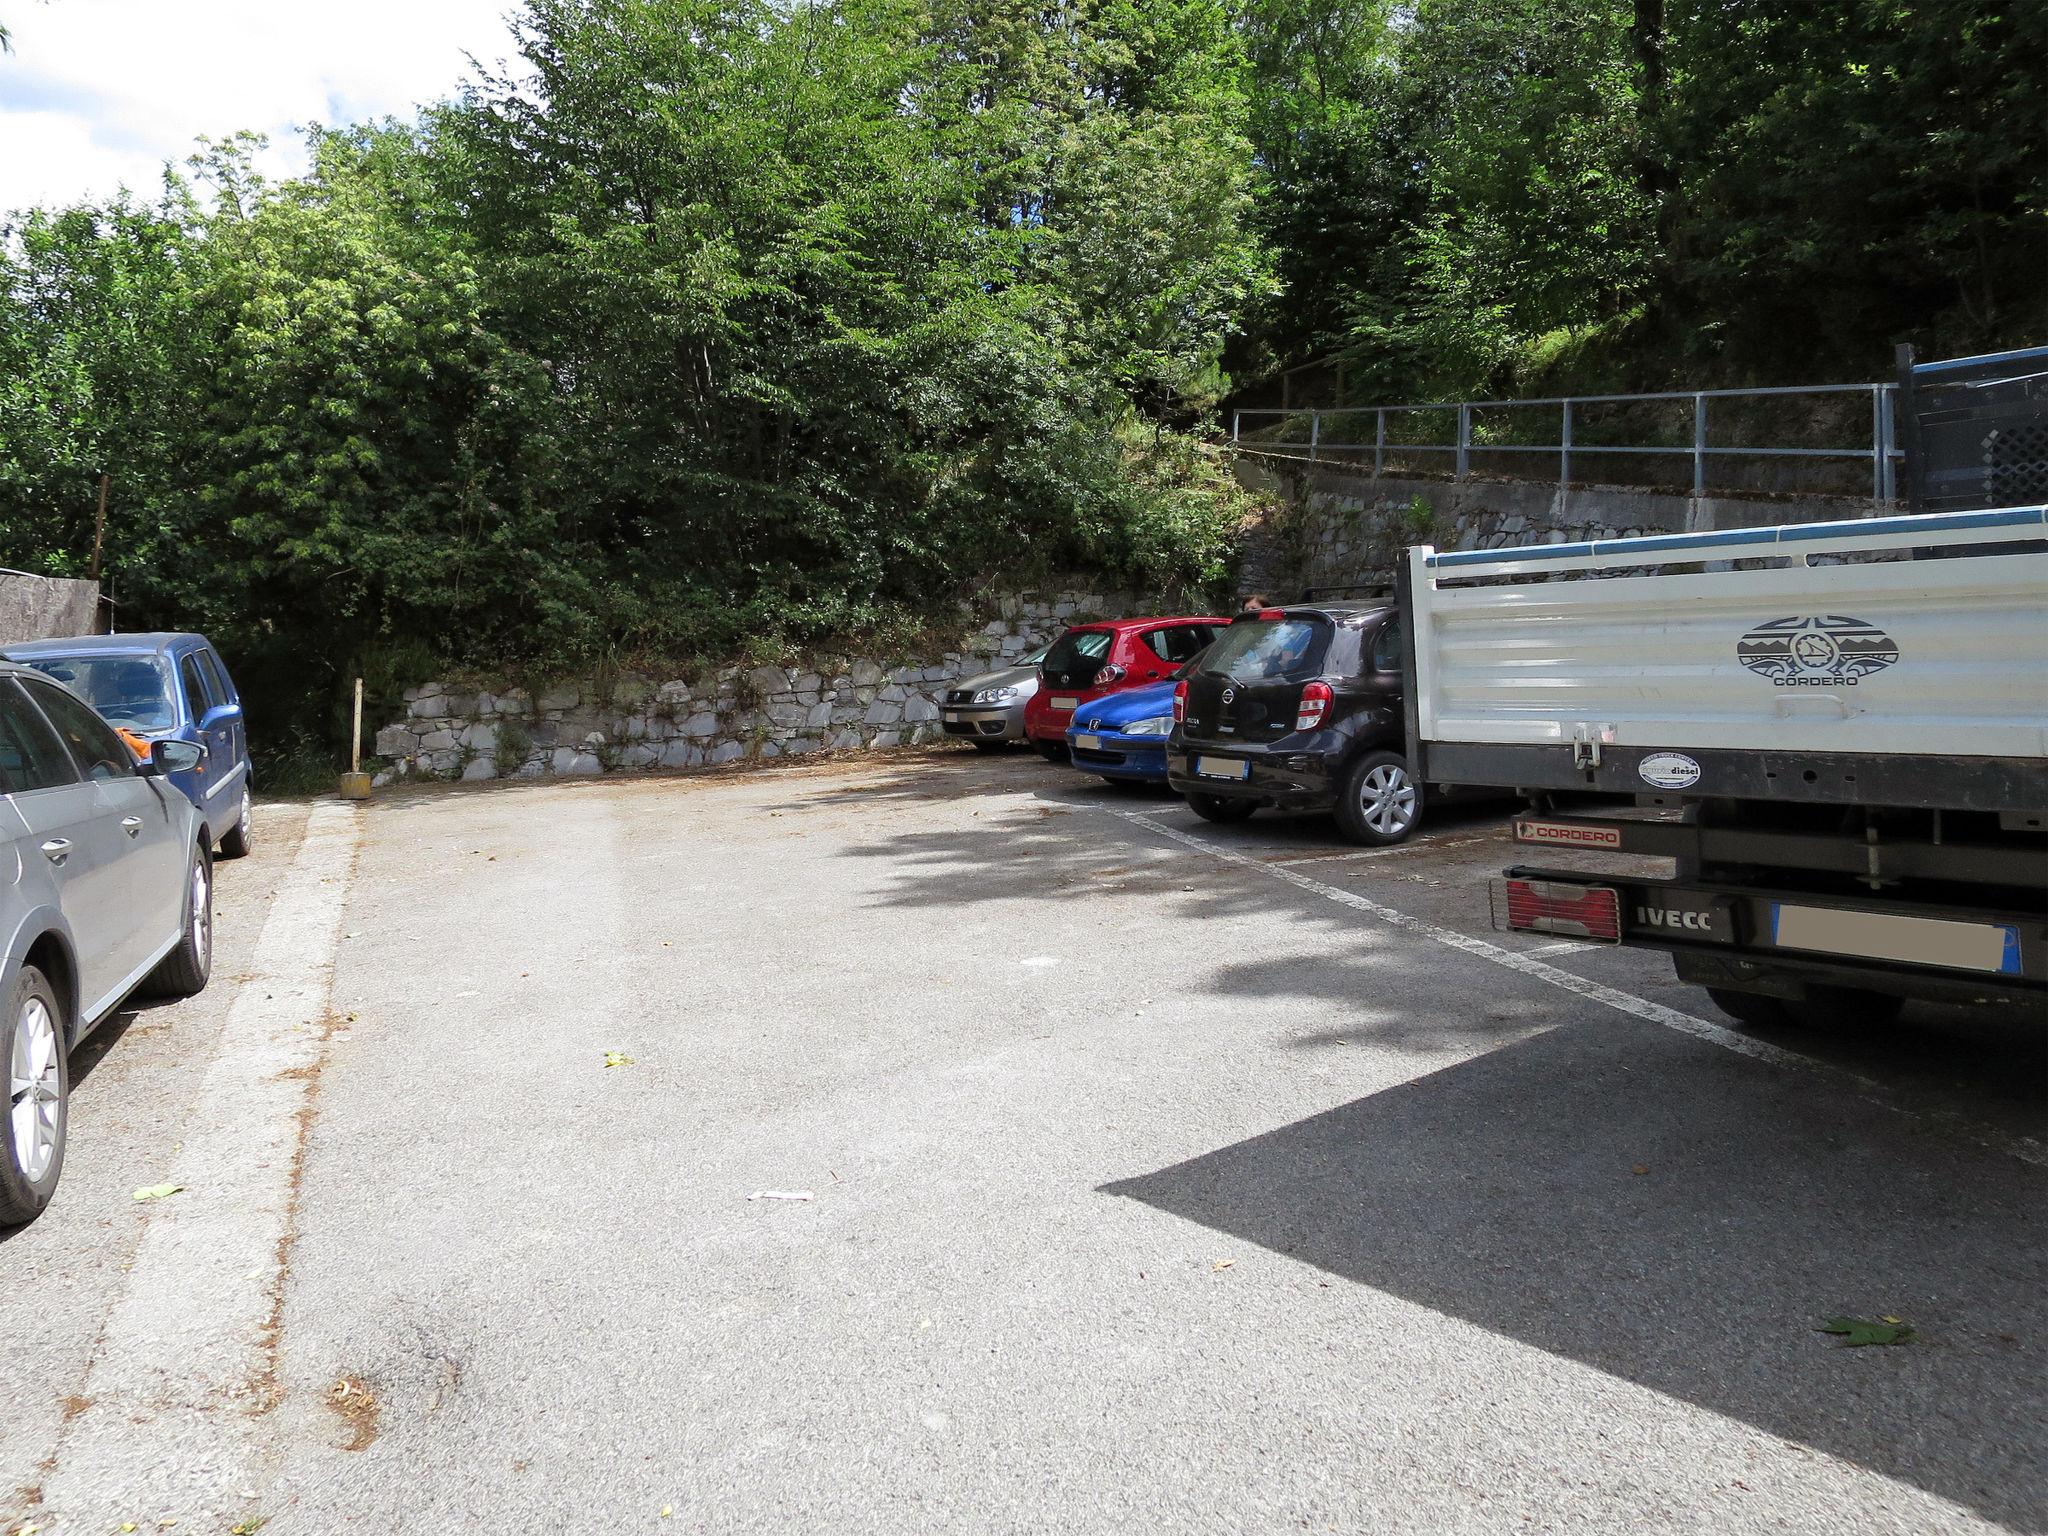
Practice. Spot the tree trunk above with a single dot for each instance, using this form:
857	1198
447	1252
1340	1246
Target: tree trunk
1654	175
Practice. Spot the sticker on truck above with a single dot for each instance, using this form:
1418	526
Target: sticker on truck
1565	834
1829	650
1668	770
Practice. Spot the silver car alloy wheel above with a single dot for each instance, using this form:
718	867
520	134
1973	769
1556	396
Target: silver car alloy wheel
244	821
1387	800
36	1114
202	916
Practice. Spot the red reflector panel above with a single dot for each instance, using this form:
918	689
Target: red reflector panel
1576	911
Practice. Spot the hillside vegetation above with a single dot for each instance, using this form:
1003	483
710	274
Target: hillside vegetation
734	324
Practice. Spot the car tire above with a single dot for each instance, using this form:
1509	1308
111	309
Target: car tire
183	972
234	843
1051	751
1380	804
39	1098
1750	1007
1220	808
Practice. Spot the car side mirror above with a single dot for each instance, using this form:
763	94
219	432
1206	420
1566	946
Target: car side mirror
171	756
221	712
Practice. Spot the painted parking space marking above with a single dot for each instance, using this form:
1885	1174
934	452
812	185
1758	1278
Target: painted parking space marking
2025	1148
183	1368
1419	845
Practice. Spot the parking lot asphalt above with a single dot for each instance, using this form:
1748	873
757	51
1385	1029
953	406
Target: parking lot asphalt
1159	1176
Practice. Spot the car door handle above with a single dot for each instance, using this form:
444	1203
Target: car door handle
132	825
57	850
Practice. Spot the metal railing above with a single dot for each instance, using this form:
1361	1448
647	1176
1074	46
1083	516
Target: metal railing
1882	452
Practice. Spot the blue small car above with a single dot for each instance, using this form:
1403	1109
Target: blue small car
156	686
1122	736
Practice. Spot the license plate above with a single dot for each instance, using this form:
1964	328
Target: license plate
1991	947
1223	767
1060	703
952	718
1088	743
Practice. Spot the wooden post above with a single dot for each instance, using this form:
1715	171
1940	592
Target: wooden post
355	751
99	532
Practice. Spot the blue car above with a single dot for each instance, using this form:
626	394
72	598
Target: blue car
156	687
1122	736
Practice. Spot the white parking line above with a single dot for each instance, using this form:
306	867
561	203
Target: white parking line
1432	844
2025	1148
166	1426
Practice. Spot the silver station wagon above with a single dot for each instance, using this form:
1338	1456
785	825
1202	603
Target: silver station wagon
106	886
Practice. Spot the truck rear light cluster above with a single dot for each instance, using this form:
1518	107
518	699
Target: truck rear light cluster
1180	703
1315	703
1576	911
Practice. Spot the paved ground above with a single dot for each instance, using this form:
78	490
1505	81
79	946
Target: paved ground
1165	1177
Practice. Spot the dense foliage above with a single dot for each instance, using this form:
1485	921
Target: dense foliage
724	322
1464	194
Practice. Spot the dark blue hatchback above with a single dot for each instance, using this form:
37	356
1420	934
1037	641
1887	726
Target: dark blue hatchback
157	686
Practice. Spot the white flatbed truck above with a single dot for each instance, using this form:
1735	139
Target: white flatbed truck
1838	732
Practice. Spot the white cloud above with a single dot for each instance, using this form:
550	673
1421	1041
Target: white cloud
102	92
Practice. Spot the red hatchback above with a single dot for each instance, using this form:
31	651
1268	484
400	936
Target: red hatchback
1090	660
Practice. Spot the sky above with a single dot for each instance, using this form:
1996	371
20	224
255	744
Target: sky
98	93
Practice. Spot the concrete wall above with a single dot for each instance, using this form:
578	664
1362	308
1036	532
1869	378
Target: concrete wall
1334	527
45	608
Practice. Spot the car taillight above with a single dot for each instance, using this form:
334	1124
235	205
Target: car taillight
1578	911
1109	674
1272	613
1315	703
1180	703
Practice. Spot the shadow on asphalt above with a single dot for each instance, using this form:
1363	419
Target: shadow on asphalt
1062	845
1504	1191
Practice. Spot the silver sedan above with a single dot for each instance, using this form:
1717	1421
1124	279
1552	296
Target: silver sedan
989	710
105	887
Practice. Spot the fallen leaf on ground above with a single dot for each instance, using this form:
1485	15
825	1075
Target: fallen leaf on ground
782	1194
617	1059
666	1511
1855	1332
1220	1265
158	1191
1639	1168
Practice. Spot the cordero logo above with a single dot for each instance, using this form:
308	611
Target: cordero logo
1825	651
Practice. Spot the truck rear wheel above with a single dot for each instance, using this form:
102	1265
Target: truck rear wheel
1750	1007
1846	1008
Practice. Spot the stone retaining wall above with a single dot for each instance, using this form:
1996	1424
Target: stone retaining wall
634	720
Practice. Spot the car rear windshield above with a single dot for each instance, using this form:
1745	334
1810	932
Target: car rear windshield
1288	650
1077	656
131	691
